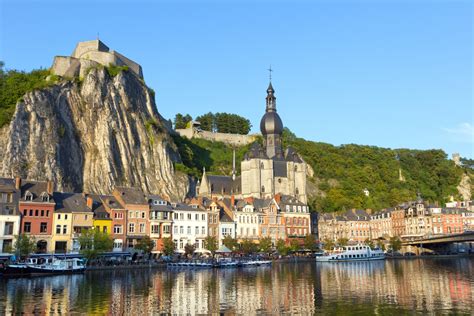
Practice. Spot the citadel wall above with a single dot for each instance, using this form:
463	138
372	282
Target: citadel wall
231	139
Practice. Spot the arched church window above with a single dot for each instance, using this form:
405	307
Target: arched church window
263	188
296	168
279	180
297	191
261	165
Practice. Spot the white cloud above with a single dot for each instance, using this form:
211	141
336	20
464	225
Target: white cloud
464	133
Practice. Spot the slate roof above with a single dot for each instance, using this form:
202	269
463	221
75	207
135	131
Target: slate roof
132	195
292	155
37	189
224	184
7	185
223	217
111	202
70	202
255	151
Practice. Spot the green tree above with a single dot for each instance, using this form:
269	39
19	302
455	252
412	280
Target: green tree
230	243
146	244
265	244
181	121
310	242
281	247
248	246
94	242
210	243
168	246
24	245
328	244
381	244
369	243
207	122
395	243
342	242
189	250
294	245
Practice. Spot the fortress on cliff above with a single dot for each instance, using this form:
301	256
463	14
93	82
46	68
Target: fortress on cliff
91	54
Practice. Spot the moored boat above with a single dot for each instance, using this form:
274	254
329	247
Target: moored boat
352	253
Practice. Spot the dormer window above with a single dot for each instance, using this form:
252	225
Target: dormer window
28	196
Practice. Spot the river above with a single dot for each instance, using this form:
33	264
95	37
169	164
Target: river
428	286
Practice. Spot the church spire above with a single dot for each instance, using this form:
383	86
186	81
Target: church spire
271	100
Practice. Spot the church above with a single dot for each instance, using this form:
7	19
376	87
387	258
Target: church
266	170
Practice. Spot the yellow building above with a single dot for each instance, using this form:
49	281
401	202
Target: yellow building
61	241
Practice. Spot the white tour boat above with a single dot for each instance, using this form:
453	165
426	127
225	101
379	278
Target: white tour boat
352	253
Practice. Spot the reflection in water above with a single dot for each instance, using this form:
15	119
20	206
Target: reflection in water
309	288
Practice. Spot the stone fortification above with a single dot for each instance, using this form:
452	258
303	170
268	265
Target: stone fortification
91	54
231	139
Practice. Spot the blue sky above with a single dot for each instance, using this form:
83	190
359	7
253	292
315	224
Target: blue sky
395	74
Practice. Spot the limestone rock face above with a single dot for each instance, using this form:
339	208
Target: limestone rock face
91	136
464	187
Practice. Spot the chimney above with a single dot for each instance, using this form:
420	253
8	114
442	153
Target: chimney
50	187
249	200
232	200
278	197
89	202
17	183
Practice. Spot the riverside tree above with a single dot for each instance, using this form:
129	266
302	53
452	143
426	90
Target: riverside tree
24	245
189	250
146	244
210	243
168	246
341	242
230	243
310	242
281	247
395	243
248	246
328	244
94	242
265	245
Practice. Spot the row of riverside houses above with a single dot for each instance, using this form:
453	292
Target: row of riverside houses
57	219
411	219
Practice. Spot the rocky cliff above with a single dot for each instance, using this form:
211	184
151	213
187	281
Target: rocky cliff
91	135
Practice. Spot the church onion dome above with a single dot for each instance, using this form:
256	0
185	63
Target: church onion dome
271	124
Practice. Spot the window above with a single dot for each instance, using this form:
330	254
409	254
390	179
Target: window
189	216
117	229
155	229
203	217
196	217
28	196
197	230
203	230
36	212
175	215
59	216
131	227
175	229
142	227
118	244
189	230
181	216
104	229
64	229
8	228
181	229
263	188
131	214
65	216
43	227
143	214
166	229
137	214
47	213
58	229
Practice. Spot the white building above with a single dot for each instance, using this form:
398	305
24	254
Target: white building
189	227
247	219
227	227
9	213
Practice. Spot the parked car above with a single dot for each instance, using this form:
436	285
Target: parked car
409	254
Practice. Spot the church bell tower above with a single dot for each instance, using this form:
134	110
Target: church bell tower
271	127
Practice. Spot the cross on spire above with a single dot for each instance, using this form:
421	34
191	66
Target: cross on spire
270	72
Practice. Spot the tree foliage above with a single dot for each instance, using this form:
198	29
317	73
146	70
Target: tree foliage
395	243
328	244
94	242
310	242
281	247
265	244
341	242
210	243
230	243
168	246
181	121
369	243
294	245
224	123
248	246
24	245
146	244
189	249
13	86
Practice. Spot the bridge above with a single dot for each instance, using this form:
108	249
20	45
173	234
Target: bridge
437	243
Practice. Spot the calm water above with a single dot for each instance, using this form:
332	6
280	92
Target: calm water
433	286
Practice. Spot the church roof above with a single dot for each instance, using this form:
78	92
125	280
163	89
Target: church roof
224	184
